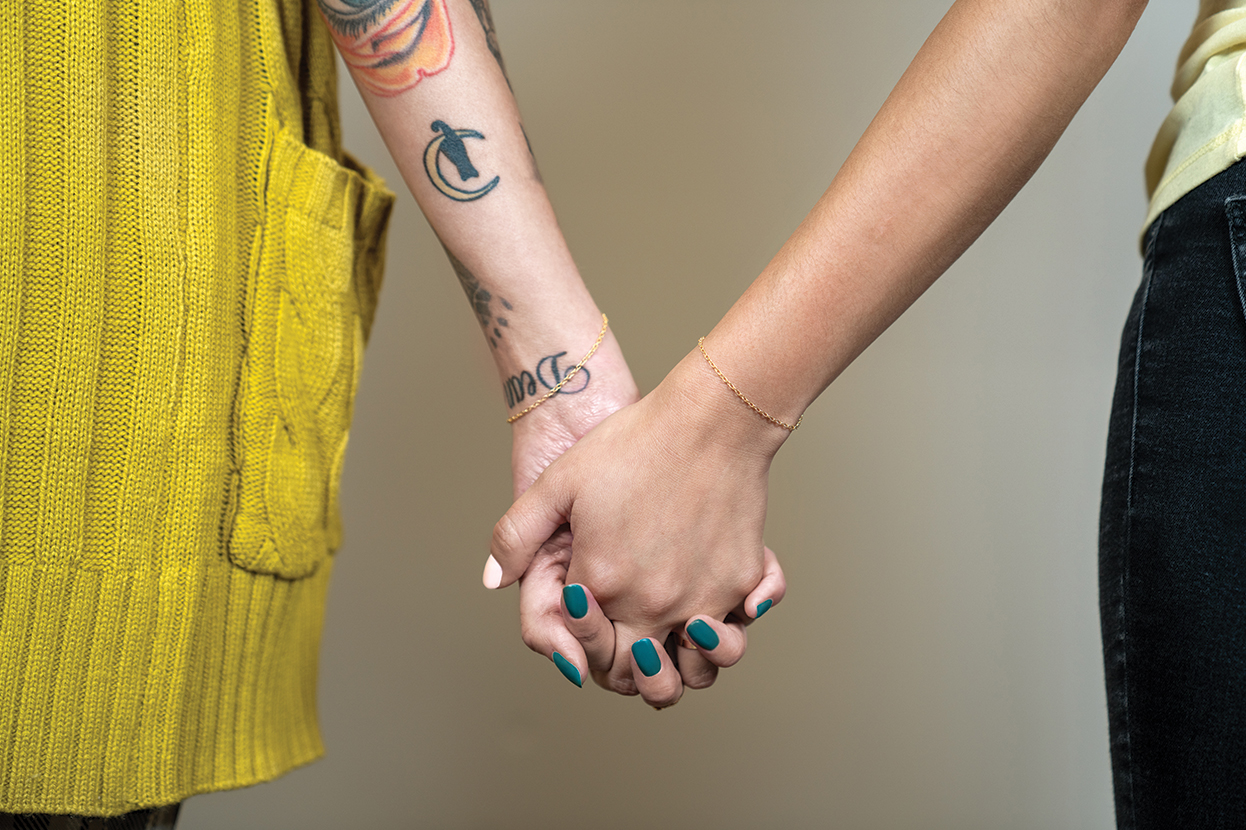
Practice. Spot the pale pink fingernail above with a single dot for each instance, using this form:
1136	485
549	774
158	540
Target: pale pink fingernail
493	574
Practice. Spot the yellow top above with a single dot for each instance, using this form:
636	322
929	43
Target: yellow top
189	266
1206	131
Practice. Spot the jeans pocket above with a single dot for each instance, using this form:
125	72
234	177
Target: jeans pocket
313	278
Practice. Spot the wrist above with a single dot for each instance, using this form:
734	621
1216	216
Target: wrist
553	427
714	415
603	385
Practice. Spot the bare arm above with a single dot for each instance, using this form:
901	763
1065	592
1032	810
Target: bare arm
975	114
667	498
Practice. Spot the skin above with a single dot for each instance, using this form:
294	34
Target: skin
979	108
507	251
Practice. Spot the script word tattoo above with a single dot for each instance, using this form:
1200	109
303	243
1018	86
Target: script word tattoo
481	300
549	371
390	45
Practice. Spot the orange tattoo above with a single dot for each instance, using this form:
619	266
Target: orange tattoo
391	45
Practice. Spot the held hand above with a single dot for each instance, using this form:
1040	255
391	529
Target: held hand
666	502
538	438
706	646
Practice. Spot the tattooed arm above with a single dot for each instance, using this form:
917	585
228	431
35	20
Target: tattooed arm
431	74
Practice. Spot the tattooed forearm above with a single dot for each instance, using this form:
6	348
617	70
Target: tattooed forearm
391	45
491	35
448	143
536	171
491	39
481	300
549	371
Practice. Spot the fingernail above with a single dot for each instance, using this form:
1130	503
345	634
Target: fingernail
568	669
576	601
703	635
493	574
646	657
763	607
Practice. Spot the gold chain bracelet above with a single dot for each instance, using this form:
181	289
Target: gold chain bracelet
605	323
742	396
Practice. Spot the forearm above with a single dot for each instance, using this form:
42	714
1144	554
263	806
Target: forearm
451	123
978	110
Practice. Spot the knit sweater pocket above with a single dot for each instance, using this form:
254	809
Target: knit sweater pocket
314	273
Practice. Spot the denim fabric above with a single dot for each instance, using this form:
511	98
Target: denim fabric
1172	545
157	818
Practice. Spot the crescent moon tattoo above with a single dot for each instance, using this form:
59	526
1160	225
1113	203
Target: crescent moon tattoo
458	156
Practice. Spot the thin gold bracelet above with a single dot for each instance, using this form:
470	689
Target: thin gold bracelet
605	323
742	396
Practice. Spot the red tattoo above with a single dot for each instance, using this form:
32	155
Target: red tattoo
391	45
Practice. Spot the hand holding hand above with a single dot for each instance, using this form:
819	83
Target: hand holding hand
666	503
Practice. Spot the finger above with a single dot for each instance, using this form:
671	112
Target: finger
719	643
654	672
532	519
769	592
540	612
695	671
586	621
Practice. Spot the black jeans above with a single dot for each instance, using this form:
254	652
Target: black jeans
1172	544
157	818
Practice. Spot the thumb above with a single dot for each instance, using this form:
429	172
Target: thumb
532	519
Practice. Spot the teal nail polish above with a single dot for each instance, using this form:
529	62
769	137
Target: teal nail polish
646	657
576	601
568	669
703	635
763	607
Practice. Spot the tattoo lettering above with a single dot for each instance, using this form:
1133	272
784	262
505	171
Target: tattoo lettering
549	371
449	143
480	299
518	387
390	45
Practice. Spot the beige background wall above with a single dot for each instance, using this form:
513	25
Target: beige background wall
936	662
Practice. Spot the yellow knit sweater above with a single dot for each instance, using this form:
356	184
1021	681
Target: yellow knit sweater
188	269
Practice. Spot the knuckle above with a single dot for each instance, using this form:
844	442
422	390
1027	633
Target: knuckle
655	601
749	577
701	678
593	636
506	538
668	696
620	685
532	638
607	580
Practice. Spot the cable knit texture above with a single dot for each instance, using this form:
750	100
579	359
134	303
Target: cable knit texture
188	269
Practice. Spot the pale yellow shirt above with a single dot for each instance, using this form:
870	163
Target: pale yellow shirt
1206	131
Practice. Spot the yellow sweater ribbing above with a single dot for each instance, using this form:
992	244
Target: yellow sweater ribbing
188	269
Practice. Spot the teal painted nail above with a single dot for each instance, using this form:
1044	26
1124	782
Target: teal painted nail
576	601
568	669
646	657
763	607
703	635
